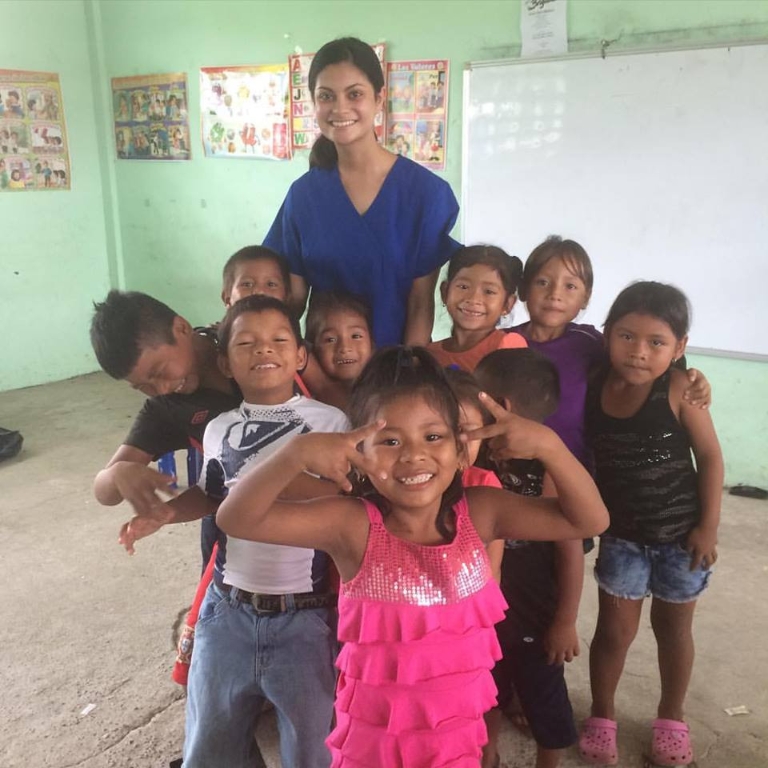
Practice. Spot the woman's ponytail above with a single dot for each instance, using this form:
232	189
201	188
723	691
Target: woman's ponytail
323	154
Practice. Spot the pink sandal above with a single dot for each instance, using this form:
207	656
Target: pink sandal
671	744
597	741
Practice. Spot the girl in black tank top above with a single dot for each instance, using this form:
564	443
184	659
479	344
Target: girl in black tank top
664	512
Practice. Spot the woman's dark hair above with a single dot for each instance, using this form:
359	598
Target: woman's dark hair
395	372
362	56
554	247
321	303
659	300
256	303
510	268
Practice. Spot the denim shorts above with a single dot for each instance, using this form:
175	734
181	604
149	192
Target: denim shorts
633	571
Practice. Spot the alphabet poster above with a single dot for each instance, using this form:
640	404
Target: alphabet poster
245	112
304	128
151	117
417	110
33	136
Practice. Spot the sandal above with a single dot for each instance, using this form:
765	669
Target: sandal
597	741
671	744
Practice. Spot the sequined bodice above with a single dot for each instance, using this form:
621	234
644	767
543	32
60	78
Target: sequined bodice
399	571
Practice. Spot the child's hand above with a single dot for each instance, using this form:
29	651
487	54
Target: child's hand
139	486
139	527
699	393
332	455
702	546
561	642
511	436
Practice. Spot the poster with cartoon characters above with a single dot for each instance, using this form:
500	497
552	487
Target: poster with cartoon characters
245	112
417	110
151	117
304	128
33	136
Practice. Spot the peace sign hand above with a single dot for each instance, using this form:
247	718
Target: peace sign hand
333	455
510	436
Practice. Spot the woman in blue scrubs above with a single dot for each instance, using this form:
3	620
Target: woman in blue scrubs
363	219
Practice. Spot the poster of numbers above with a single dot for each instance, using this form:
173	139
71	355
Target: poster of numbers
304	129
151	117
244	112
33	135
417	110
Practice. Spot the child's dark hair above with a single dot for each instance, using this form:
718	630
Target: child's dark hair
253	253
357	53
124	325
467	389
554	247
256	303
395	372
659	300
510	268
525	377
321	303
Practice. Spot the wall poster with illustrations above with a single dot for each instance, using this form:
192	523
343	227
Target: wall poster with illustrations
33	137
151	117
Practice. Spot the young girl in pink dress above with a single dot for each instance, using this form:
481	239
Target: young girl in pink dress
417	603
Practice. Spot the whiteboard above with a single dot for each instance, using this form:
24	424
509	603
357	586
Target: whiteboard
656	162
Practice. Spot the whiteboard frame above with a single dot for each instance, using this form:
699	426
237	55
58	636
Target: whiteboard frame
602	54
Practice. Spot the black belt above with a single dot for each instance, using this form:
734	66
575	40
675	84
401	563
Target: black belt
281	603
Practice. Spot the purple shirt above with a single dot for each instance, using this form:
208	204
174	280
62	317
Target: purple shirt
574	354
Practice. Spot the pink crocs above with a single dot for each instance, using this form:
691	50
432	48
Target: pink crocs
671	743
597	741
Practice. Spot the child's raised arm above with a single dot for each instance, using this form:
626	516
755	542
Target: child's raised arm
577	513
252	509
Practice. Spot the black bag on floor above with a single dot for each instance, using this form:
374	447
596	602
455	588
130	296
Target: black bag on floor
10	443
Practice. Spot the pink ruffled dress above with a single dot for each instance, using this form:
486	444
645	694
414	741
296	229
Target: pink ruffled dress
417	624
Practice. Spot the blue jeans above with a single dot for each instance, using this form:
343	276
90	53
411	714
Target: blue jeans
634	571
243	658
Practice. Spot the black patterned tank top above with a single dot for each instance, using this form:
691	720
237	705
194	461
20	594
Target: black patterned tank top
644	468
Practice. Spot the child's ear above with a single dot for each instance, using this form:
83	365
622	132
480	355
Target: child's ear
509	303
223	362
181	327
680	348
443	290
302	356
226	298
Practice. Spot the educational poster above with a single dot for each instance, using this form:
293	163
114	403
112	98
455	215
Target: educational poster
543	28
245	112
417	110
304	129
33	136
151	118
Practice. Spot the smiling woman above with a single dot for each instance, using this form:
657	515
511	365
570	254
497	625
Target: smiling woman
364	220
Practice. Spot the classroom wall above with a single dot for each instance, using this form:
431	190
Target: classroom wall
52	244
167	228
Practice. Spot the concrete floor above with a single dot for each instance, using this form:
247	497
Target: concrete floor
84	624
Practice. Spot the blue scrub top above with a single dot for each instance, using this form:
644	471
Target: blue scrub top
377	256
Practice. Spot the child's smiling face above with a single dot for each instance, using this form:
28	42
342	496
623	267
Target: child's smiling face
416	450
343	346
263	356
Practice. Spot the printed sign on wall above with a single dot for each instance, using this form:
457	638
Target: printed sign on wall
245	112
33	135
151	117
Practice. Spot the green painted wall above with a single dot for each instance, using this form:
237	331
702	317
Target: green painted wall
168	228
52	245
